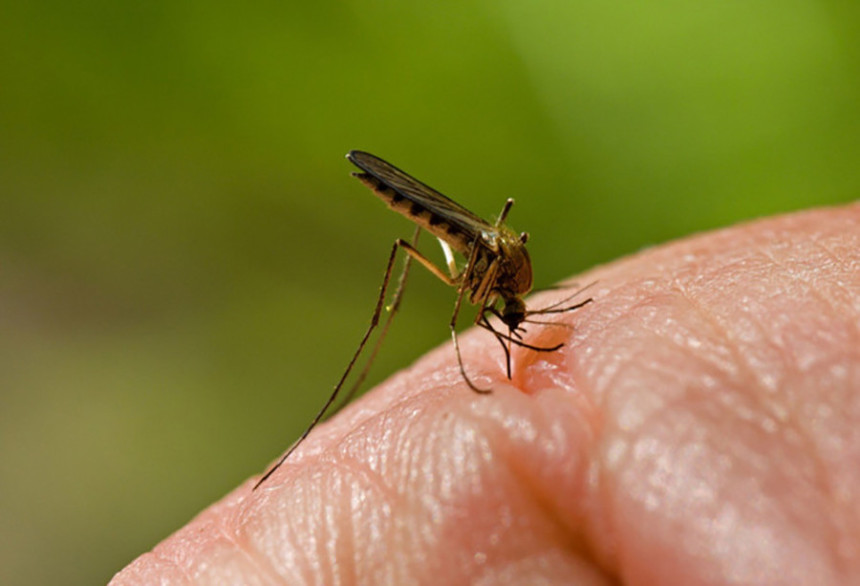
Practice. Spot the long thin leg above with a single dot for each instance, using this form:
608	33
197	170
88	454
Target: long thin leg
412	252
391	309
485	323
373	323
461	292
453	326
451	280
461	281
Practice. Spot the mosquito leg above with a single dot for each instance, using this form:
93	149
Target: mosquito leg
461	292
392	309
453	326
411	253
485	323
373	323
449	257
460	281
451	280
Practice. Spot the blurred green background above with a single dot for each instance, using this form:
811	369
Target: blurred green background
186	265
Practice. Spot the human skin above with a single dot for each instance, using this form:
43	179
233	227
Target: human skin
701	425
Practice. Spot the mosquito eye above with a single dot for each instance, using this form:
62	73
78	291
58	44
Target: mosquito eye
524	237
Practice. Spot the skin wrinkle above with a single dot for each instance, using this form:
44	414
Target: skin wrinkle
606	482
596	487
237	535
323	524
329	534
420	530
172	564
736	340
743	495
576	544
342	543
527	484
392	498
737	354
794	421
747	371
605	487
809	288
826	484
813	455
841	264
289	531
263	569
420	464
611	326
651	460
177	560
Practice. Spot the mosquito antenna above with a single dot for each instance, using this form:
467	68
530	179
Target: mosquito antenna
522	344
566	299
517	342
547	310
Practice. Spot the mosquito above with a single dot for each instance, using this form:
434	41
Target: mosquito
496	276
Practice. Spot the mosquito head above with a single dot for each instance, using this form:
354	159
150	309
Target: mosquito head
514	311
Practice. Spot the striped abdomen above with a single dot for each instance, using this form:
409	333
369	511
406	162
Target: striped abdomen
436	224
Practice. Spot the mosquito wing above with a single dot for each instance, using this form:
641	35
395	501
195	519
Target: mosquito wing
439	215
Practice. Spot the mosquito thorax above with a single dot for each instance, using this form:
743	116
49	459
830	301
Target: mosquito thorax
515	276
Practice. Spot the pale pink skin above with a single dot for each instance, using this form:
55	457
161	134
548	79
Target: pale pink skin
700	426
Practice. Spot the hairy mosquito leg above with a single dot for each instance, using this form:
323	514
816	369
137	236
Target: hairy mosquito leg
373	323
392	310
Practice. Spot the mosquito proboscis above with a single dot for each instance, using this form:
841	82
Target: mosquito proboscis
496	276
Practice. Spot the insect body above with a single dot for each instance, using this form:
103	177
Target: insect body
498	271
499	265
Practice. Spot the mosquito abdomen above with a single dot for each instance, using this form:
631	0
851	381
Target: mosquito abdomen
415	212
